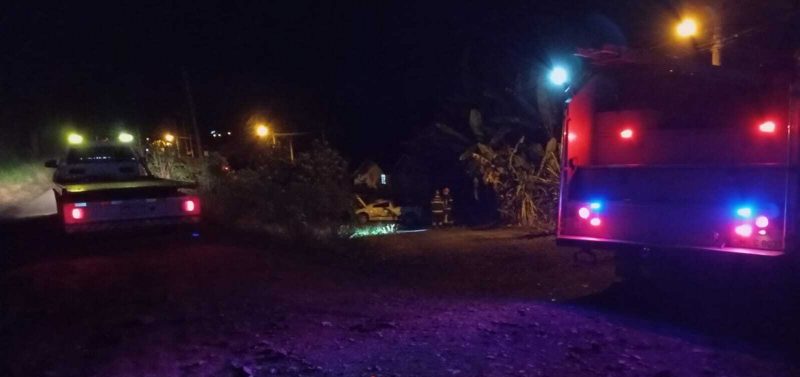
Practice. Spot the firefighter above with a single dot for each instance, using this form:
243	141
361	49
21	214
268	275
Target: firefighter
448	206
437	209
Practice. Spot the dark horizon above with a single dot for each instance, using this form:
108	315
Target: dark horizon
356	74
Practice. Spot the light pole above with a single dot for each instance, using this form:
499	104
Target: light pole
689	28
262	131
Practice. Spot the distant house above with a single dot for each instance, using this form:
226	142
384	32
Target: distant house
370	175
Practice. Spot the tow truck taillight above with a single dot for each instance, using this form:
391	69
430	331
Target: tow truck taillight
191	205
77	213
74	212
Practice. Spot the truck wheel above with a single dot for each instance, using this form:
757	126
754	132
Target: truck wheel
363	218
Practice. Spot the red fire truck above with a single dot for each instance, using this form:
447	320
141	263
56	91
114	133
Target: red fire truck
660	156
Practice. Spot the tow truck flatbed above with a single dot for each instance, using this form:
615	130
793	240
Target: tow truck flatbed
124	185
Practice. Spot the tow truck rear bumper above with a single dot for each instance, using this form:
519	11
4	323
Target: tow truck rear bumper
106	226
601	243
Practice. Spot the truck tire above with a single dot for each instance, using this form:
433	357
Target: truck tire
362	218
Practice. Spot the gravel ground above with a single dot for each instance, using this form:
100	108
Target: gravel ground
440	303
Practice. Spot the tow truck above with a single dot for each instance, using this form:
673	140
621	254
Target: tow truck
665	157
105	186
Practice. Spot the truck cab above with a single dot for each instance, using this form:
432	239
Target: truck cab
105	186
664	156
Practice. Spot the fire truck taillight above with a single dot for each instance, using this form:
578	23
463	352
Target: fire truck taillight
744	230
762	221
590	212
767	127
626	133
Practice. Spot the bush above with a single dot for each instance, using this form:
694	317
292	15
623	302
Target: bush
166	162
308	197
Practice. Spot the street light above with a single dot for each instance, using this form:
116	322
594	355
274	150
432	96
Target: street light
687	28
559	76
169	138
262	130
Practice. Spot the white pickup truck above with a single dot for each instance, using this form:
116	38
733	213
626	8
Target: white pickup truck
105	186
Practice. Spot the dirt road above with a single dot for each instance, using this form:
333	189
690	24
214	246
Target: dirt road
444	303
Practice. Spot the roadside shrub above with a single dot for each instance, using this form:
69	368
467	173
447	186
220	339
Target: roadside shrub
307	197
166	162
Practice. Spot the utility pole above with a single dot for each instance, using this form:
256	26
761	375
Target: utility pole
716	39
192	114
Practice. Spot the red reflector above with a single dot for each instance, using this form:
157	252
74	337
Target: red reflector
767	127
77	213
595	221
626	133
762	221
584	213
744	230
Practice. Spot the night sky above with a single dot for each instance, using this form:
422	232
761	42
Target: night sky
365	74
